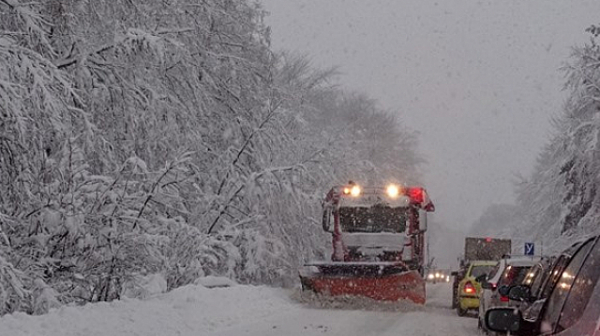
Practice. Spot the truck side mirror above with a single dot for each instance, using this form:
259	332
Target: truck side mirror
327	219
422	220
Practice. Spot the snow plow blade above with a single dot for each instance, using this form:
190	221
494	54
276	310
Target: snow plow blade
382	281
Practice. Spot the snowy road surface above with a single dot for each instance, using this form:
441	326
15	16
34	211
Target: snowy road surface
239	311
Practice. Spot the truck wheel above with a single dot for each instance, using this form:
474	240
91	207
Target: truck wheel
460	311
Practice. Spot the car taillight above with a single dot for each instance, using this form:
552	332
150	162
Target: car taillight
504	298
469	288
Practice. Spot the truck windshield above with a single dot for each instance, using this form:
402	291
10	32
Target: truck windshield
378	218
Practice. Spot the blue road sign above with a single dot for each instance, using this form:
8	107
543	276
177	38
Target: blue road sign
529	249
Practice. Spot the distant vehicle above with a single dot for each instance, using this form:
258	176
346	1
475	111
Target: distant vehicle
478	248
469	288
572	307
438	275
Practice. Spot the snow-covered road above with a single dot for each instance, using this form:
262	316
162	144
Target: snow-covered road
238	311
436	319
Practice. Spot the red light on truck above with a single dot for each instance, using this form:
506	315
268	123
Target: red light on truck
416	194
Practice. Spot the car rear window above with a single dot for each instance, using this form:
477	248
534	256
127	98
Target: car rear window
513	275
481	270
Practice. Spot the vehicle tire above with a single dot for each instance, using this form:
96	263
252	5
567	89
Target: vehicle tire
460	311
454	298
481	327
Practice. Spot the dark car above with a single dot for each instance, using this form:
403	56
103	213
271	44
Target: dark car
572	306
543	281
438	275
536	280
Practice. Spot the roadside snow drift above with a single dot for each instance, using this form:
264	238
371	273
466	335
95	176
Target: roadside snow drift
237	310
190	310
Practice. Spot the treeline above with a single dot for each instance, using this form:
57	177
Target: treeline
559	202
148	137
562	196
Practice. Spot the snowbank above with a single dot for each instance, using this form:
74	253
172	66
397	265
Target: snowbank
214	282
245	311
190	310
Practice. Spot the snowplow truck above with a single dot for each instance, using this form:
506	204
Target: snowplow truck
378	237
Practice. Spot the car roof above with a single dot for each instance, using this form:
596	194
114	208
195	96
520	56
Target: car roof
573	248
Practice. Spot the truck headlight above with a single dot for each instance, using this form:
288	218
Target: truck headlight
393	191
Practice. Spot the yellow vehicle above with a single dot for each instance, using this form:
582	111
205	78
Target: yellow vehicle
469	288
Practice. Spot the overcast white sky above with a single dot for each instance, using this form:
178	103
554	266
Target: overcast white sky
479	80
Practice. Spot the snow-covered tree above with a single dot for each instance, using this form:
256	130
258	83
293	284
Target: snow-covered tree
148	137
498	220
561	198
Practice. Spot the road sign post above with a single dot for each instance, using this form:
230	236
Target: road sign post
529	249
